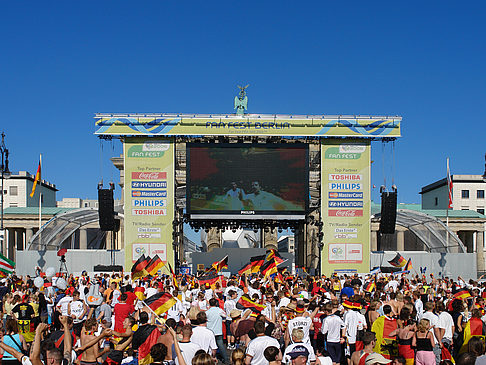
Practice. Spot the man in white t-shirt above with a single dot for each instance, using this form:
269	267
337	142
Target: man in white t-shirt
354	321
187	347
77	310
204	337
335	329
300	322
150	291
256	347
419	306
445	325
63	304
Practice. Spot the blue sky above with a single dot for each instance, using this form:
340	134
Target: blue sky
61	62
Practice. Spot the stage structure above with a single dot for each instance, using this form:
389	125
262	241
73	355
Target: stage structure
266	172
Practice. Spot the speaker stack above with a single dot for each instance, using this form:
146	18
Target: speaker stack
388	212
106	209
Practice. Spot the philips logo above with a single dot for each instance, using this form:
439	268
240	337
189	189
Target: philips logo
247	212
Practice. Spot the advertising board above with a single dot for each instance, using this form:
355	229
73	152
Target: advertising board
149	199
345	205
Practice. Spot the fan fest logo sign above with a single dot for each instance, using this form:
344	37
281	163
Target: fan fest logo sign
345	171
149	199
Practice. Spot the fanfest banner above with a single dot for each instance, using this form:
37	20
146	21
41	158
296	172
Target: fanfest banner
149	199
345	205
252	124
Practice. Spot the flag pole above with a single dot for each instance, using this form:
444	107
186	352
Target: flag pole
40	202
448	191
449	196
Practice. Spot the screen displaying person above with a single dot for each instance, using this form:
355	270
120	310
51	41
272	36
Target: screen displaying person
234	197
263	200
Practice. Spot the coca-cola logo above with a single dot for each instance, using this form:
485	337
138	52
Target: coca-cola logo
149	175
345	213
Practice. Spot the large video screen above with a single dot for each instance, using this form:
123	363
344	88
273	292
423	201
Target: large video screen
247	181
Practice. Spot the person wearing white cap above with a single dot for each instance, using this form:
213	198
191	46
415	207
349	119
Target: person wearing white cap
376	358
297	337
299	355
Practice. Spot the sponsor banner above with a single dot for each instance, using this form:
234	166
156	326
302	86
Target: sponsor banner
345	186
149	184
159	125
149	193
345	213
149	203
142	175
345	204
345	253
149	249
149	211
345	194
346	230
149	188
345	177
345	235
148	235
148	229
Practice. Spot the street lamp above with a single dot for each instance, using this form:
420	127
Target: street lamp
5	175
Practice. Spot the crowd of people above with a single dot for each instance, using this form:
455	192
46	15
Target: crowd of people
243	320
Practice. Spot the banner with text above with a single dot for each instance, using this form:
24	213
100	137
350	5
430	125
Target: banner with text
149	199
253	125
345	205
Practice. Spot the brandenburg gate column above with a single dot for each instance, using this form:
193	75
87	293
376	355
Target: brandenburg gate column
481	267
270	238
214	239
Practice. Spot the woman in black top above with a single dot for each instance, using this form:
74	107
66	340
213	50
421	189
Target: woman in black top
424	343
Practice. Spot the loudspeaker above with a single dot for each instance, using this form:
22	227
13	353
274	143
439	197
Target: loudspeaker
388	212
106	209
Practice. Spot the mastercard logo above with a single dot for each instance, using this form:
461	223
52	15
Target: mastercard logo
136	193
333	195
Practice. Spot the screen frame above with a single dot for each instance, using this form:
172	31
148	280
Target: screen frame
256	215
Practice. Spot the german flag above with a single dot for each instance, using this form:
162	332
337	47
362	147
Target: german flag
352	305
273	254
154	265
245	270
369	286
408	266
37	177
210	279
220	265
269	268
143	340
473	328
256	263
138	268
246	303
446	355
462	294
385	343
398	261
171	270
278	277
139	292
160	302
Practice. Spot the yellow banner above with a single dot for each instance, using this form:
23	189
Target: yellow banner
375	127
345	205
149	199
